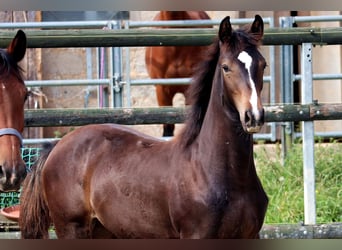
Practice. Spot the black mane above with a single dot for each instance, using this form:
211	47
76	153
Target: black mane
199	94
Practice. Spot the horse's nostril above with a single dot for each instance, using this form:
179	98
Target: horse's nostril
248	116
1	171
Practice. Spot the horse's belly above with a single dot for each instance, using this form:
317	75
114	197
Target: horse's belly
135	215
124	225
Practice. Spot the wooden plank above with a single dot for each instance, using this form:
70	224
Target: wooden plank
134	116
164	37
326	112
79	117
282	113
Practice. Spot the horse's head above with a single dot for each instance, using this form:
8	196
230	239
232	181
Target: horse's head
242	69
13	94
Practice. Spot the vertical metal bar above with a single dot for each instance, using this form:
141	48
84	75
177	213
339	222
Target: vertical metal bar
116	70
286	87
308	137
128	73
103	73
272	83
111	71
98	68
89	62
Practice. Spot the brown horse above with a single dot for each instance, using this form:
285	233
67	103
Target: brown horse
173	62
111	181
13	94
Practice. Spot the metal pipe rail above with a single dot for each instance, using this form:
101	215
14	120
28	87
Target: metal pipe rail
302	19
106	81
57	25
74	82
191	23
321	77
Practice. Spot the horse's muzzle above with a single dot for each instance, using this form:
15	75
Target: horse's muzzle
254	121
11	180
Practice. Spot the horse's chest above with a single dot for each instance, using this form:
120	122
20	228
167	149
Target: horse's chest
243	216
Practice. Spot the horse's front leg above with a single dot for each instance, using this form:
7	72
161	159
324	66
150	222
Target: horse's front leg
200	229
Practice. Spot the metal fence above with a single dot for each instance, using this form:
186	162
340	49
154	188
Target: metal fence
306	39
118	82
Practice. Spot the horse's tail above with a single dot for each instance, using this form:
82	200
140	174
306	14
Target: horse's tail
34	219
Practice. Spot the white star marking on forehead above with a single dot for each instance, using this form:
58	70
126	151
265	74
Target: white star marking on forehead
246	59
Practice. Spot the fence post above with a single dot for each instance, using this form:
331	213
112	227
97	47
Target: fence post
116	70
308	138
286	87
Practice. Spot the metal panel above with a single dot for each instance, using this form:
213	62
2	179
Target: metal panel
308	138
83	15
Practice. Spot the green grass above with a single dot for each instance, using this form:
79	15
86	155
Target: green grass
284	183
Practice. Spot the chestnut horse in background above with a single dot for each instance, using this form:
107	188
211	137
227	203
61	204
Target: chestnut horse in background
13	94
108	180
173	62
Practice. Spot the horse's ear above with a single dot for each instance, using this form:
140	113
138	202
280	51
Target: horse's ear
225	30
17	48
257	27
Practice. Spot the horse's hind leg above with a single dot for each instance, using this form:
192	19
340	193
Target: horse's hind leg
165	96
76	230
72	230
168	130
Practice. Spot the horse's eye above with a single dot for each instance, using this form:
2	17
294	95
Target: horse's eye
225	68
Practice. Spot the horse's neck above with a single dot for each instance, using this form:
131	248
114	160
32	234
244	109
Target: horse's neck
224	140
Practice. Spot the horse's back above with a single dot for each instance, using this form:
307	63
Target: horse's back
201	15
181	15
93	148
99	142
174	61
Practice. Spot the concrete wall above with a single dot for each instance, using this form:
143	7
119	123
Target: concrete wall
327	60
